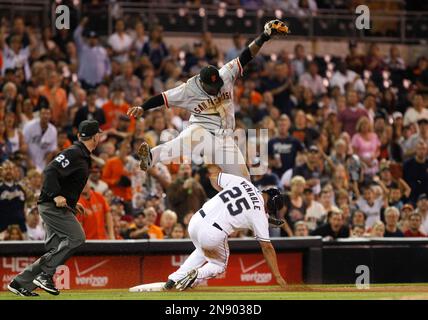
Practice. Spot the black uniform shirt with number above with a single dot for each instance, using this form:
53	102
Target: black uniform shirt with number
66	175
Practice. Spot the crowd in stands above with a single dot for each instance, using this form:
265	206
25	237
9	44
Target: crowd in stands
348	137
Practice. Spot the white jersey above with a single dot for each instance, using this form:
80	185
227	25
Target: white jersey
210	112
238	206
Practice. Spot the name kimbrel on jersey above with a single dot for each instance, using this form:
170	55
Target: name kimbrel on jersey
210	103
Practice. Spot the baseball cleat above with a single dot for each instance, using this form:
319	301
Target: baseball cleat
15	288
187	281
145	156
169	285
45	282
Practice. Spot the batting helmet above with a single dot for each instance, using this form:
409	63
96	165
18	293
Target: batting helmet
275	201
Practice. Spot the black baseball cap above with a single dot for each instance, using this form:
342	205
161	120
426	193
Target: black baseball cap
89	128
422	196
211	77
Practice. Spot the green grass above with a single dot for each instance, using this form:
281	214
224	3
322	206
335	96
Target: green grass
320	292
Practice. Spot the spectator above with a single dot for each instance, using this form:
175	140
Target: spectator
238	47
155	49
422	209
333	229
378	230
312	80
154	231
90	111
353	112
177	232
14	233
358	217
167	222
343	76
97	222
41	138
293	201
366	145
415	171
12	199
299	62
301	131
392	215
409	145
97	184
312	169
301	229
415	222
371	205
283	149
35	230
120	42
114	108
315	213
138	229
94	63
185	194
357	231
117	176
416	112
128	82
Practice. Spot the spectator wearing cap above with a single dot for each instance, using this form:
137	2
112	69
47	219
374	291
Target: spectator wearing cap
415	224
41	138
94	63
117	175
392	215
415	171
334	228
138	229
422	209
128	82
352	113
312	80
97	222
120	42
366	145
114	108
283	148
89	111
417	111
312	170
409	145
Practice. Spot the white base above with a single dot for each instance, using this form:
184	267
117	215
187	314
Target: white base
149	287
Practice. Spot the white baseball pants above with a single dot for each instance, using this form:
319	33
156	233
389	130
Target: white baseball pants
195	141
211	254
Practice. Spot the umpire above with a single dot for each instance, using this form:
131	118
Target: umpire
64	180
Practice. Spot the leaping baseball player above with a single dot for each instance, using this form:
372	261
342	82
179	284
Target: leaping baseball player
239	205
209	98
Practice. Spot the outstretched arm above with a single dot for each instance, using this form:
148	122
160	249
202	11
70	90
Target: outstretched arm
272	28
270	257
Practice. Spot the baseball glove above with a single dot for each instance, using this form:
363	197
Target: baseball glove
276	28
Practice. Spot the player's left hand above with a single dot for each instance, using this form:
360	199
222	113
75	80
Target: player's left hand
135	112
280	280
276	28
80	209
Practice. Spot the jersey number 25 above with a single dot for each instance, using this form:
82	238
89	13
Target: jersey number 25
227	195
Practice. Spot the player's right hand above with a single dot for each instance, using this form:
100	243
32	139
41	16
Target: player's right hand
60	201
135	112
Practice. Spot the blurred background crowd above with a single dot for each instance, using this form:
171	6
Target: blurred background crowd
348	136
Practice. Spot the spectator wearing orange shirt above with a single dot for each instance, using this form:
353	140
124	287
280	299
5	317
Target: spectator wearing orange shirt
97	221
116	174
56	96
114	108
154	231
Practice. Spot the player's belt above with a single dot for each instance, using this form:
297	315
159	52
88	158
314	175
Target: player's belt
203	214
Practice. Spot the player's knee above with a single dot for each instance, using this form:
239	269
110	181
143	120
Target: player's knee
77	240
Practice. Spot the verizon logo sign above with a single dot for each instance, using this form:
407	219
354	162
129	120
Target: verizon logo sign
255	276
93	281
